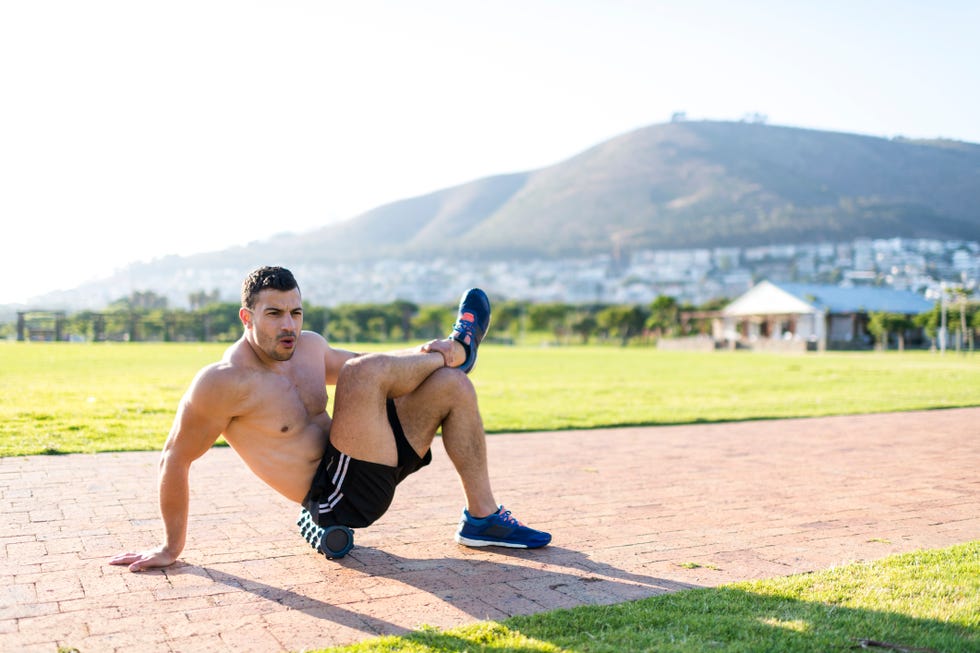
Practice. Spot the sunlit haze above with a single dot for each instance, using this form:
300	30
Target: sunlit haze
134	130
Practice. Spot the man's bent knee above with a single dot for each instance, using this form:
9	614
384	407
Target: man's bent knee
454	383
444	390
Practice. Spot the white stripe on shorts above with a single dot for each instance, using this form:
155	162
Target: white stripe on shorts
338	481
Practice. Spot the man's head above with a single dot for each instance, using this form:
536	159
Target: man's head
266	278
272	312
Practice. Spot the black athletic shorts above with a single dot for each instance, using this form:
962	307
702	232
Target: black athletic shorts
355	493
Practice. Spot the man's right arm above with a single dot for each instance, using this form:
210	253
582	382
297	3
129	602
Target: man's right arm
201	417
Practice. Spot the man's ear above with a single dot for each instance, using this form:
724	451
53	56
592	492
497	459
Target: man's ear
245	316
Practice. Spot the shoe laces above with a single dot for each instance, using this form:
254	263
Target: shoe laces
505	516
464	327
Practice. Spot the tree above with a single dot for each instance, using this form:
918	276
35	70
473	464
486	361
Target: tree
155	323
584	324
82	324
117	322
405	311
929	323
899	324
960	295
508	317
621	321
664	316
974	324
431	322
200	299
878	327
314	318
218	322
140	300
340	328
363	322
550	317
881	324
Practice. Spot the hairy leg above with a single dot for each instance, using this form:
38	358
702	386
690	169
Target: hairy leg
447	399
360	422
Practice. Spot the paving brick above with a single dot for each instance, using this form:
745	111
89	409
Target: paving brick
26	552
628	508
55	626
335	626
59	587
11	594
26	609
250	637
137	640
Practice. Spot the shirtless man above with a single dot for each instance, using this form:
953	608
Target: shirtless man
267	397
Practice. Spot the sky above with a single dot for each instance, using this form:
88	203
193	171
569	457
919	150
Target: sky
132	130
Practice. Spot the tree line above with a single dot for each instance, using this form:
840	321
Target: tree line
959	320
146	317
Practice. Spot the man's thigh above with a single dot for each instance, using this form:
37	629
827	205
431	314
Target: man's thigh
360	425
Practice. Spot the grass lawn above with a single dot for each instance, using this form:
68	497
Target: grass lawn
61	398
66	398
924	601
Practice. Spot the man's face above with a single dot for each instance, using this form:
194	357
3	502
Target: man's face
275	322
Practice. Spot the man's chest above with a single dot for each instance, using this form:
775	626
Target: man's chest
284	402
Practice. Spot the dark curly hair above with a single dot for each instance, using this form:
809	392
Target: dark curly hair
266	278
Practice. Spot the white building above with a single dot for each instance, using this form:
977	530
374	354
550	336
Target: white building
799	317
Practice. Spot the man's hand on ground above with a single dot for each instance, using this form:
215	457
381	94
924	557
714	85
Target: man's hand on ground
151	559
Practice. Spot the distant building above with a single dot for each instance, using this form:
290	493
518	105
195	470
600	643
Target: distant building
800	317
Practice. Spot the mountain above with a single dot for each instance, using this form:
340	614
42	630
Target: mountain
684	184
667	186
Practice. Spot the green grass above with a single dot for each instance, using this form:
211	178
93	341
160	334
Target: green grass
584	387
924	600
61	398
65	398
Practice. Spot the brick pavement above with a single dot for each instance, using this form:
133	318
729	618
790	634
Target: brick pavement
628	508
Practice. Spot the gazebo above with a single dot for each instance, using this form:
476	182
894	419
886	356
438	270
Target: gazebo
793	316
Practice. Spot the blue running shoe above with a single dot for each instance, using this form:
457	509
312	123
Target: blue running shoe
499	529
472	323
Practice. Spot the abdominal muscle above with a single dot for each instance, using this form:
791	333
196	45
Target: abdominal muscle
285	461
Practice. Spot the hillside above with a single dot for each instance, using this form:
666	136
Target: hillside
685	184
667	186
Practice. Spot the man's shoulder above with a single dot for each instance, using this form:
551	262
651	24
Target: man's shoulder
312	346
313	337
237	365
237	358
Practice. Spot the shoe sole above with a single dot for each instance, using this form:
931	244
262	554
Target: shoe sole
510	545
471	311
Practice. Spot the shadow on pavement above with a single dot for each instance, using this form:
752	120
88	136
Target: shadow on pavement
295	600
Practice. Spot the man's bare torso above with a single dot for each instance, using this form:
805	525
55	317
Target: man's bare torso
280	427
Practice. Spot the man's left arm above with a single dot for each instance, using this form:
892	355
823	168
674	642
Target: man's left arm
334	358
333	361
